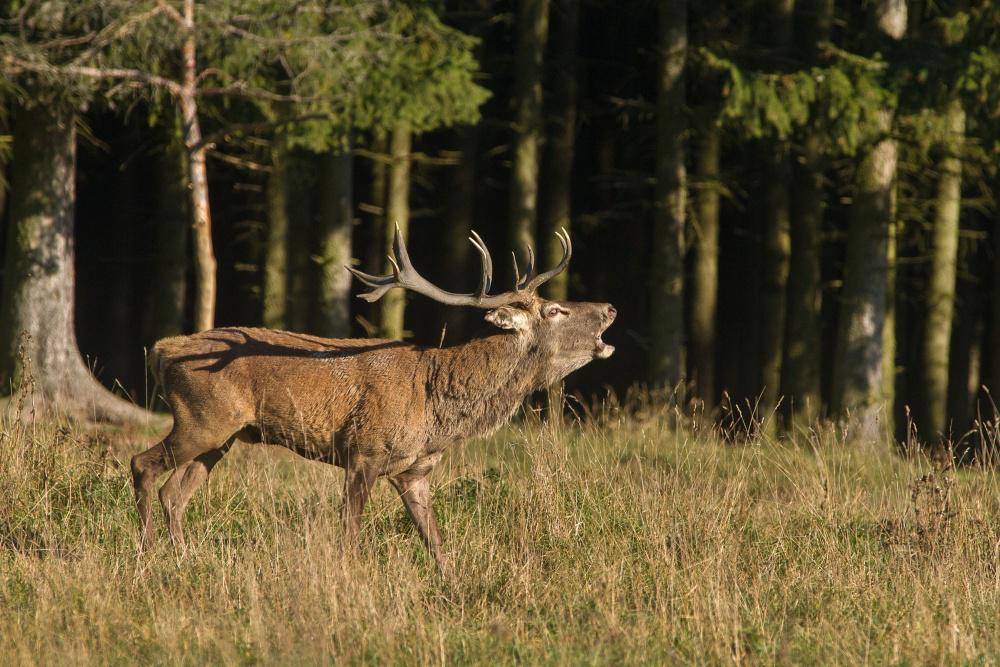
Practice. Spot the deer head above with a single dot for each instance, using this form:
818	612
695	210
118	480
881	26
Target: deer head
566	334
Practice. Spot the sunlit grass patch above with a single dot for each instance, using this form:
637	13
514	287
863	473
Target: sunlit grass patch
627	539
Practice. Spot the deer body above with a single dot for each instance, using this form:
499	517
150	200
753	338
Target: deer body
377	408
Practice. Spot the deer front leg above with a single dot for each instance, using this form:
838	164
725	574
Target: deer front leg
416	496
359	476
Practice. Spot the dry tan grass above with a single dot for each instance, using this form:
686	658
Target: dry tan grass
630	540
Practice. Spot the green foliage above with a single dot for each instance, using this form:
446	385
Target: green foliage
345	65
841	99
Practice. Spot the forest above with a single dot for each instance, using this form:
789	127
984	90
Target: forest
789	459
791	203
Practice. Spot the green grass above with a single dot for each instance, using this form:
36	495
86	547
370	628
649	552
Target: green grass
626	541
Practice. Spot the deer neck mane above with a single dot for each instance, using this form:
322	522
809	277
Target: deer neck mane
477	386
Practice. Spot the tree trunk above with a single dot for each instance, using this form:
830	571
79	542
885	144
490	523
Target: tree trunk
532	32
4	185
556	196
774	278
337	220
374	251
461	209
777	245
858	374
858	365
204	255
39	349
397	214
993	342
276	251
302	277
705	266
667	272
168	288
941	282
803	344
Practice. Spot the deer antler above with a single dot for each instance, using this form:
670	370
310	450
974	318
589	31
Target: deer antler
405	276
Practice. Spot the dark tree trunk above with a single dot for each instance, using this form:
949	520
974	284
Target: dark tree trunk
168	287
275	288
39	346
397	214
532	33
774	278
705	265
941	283
461	209
374	252
336	222
667	271
776	240
803	344
557	191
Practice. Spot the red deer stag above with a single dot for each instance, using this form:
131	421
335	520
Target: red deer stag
377	408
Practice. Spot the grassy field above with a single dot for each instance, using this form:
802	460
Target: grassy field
628	540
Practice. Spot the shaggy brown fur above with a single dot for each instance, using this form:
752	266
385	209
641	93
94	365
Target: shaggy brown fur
377	408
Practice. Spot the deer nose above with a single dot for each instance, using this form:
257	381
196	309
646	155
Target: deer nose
611	312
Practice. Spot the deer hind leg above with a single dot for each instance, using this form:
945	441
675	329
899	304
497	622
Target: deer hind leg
146	469
359	477
416	496
181	485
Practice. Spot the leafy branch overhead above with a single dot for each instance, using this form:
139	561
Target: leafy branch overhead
340	66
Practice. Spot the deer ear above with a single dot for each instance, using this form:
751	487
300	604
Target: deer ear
508	318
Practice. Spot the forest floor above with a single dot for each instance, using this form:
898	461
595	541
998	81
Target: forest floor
626	540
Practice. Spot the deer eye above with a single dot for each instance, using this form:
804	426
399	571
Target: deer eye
553	309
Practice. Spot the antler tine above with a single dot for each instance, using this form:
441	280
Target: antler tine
543	278
379	284
530	273
399	250
486	260
517	270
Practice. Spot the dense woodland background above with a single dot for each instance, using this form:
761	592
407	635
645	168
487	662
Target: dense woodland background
792	203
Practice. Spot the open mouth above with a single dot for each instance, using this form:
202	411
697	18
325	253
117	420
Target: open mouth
601	349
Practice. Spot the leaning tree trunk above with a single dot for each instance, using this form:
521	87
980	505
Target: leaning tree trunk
858	384
336	221
667	274
941	283
556	196
532	33
204	255
397	214
705	265
39	349
275	287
